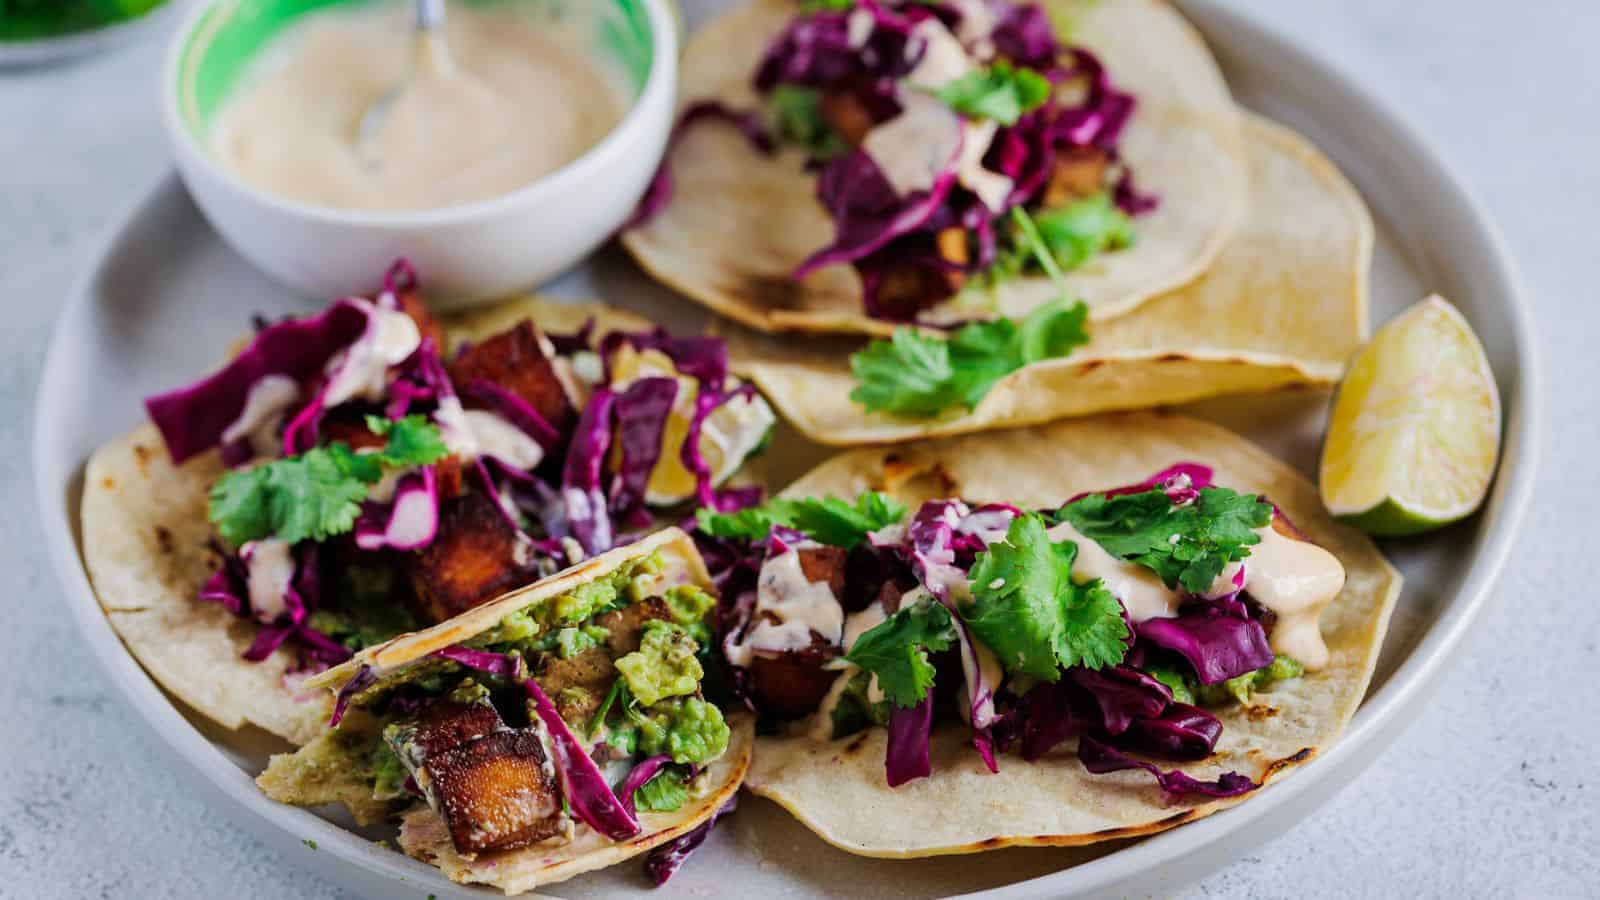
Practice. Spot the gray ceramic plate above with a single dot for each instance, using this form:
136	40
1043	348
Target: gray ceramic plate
159	304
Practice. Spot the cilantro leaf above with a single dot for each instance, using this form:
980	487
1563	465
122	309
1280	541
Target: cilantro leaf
828	520
1000	92
1077	232
919	376
896	650
413	440
1186	545
665	792
1028	610
833	521
317	494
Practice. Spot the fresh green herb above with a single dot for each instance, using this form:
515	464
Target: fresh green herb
1186	545
855	711
1027	608
317	494
618	692
816	6
915	375
828	520
799	121
1000	92
896	650
1083	229
665	792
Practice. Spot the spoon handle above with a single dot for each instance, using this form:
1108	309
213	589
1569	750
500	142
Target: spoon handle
430	15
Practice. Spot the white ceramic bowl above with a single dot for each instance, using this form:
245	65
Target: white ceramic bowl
468	253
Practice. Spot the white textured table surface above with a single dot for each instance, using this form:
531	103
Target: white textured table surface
1493	792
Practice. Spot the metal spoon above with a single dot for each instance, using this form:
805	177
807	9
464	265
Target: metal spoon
429	52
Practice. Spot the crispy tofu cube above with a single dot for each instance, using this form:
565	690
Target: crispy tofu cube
495	792
515	360
1077	173
475	557
627	623
846	115
445	724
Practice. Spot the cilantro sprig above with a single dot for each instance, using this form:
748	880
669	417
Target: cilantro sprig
827	520
896	650
915	375
1000	92
1027	608
317	494
1186	545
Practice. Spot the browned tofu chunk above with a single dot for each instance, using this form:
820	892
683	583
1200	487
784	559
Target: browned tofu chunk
1077	173
824	564
591	670
515	360
353	434
626	624
473	559
445	724
495	793
846	115
791	685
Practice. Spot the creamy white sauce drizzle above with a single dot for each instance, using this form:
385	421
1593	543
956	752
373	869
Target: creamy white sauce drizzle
264	407
801	608
359	372
927	136
1294	579
269	564
858	28
413	520
855	625
1141	591
512	101
493	436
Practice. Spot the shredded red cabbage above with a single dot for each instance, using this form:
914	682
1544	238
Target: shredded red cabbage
583	499
1099	758
364	678
662	862
192	418
909	729
1217	644
1122	695
500	665
642	411
511	407
391	526
643	771
582	783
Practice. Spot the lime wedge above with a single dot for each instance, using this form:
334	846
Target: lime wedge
731	433
1415	430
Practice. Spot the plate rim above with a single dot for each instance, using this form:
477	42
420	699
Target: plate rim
1202	844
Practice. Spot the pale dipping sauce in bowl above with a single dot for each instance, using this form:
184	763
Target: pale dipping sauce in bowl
511	103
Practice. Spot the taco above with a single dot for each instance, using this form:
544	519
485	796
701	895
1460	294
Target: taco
940	163
1095	629
1285	304
367	471
475	734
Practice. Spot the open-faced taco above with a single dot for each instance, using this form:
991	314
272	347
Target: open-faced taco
358	474
998	640
1285	304
942	162
476	734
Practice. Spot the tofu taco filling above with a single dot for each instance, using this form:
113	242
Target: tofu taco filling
585	708
379	480
1118	619
956	146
